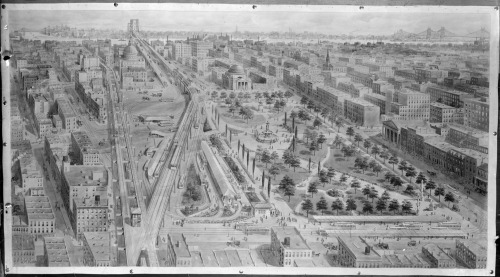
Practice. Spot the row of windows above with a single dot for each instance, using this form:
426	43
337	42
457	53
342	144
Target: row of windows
41	223
297	254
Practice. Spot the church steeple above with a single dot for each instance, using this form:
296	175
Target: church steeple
328	56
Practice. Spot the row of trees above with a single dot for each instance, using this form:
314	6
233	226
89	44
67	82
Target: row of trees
364	163
322	205
245	112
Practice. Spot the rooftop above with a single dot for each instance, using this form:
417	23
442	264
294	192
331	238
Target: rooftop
437	252
475	247
179	245
442	106
358	248
83	175
296	239
23	242
99	244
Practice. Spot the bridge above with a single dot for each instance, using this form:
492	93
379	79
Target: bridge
442	33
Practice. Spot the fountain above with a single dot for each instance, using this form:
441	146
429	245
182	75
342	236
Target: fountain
267	135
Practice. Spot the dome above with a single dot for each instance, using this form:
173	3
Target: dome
130	51
236	69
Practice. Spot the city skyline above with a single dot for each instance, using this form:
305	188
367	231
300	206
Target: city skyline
228	22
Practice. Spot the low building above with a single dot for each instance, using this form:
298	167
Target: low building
289	245
55	252
23	250
354	252
471	254
30	172
441	113
477	113
438	257
89	215
178	254
68	117
41	219
83	150
361	112
96	249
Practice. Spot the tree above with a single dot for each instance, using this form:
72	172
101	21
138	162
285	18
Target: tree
430	186
375	150
274	156
288	94
314	136
384	155
317	110
396	182
289	191
322	205
232	108
332	118
265	157
280	94
362	163
355	184
232	95
377	169
274	170
409	189
285	181
265	94
317	122
393	160
277	105
367	144
303	101
449	197
321	139
241	94
247	113
331	173
343	178
325	112
307	206
287	155
421	179
313	146
215	94
439	192
223	95
310	105
372	164
307	135
366	190
229	101
406	206
410	172
381	205
339	123
373	193
305	117
367	207
350	131
351	204
237	102
358	138
295	162
324	178
403	165
385	196
388	176
313	188
337	141
293	114
338	205
394	205
258	95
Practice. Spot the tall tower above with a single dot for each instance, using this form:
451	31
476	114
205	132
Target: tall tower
133	26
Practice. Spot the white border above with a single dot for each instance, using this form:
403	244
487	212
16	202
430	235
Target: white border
494	65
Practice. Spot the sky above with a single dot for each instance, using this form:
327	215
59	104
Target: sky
327	23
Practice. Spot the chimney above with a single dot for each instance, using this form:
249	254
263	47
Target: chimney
177	243
97	198
286	241
367	250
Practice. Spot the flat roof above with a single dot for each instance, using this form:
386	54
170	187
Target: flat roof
476	247
23	242
378	219
179	245
357	246
99	244
82	175
437	252
296	240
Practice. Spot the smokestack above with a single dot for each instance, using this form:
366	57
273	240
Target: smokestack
367	250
